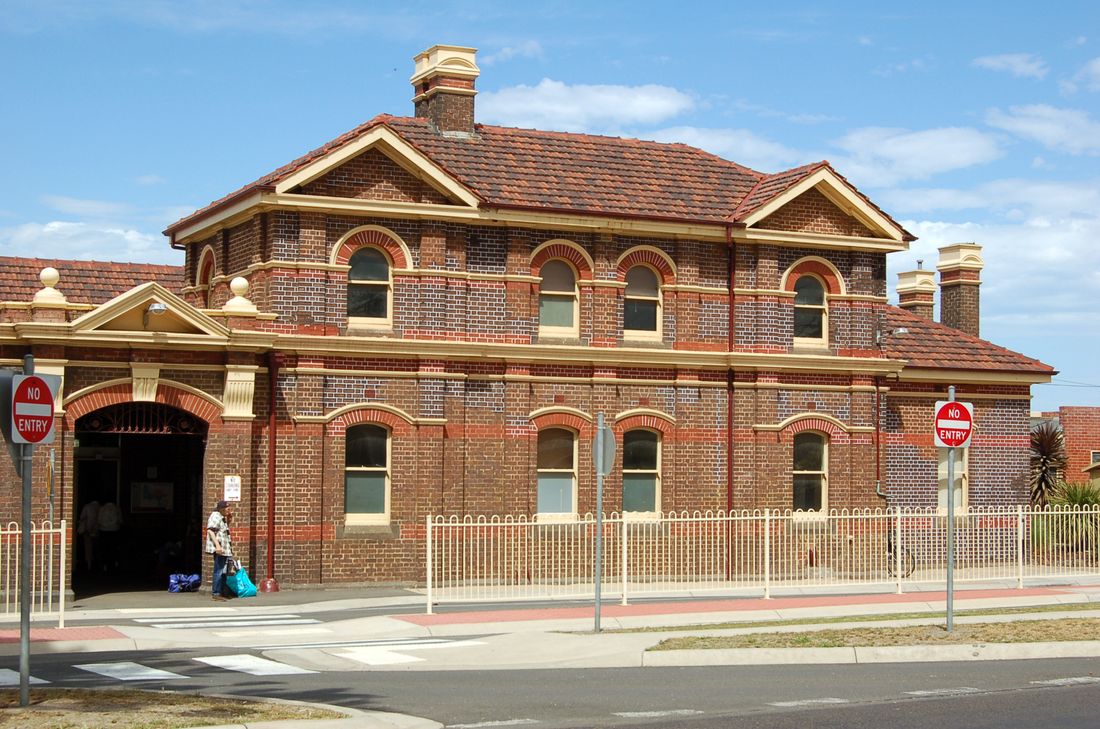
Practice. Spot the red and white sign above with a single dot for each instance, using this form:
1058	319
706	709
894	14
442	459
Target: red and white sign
954	423
31	410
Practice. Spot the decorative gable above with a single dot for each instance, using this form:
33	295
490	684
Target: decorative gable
374	176
812	212
149	308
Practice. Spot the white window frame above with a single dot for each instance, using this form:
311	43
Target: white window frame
570	332
354	519
371	322
1094	457
821	512
962	478
646	334
642	515
558	516
822	341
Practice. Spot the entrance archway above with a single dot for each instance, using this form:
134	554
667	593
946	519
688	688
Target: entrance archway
146	459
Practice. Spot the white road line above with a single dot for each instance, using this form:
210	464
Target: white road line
807	702
654	714
505	722
382	643
242	623
386	655
254	665
259	632
127	671
945	691
215	618
8	677
1073	681
176	611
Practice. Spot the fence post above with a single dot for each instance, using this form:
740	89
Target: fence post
428	541
1019	547
897	547
61	579
767	554
624	553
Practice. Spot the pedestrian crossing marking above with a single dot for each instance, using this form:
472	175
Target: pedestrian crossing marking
226	621
8	677
254	665
379	655
128	671
259	631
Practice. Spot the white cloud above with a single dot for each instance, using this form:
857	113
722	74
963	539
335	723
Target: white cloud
87	208
526	49
1067	130
739	145
582	107
793	117
1028	198
86	241
148	180
1089	75
879	156
1022	65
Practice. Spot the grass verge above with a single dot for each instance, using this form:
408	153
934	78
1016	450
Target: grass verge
55	708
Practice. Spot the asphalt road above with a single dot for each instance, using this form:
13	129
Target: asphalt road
1038	693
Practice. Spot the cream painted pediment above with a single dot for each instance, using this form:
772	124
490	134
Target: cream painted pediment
384	140
137	311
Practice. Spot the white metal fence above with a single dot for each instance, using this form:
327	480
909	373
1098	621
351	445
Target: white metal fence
517	557
48	569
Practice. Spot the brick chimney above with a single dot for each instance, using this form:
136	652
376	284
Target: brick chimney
917	292
960	270
444	85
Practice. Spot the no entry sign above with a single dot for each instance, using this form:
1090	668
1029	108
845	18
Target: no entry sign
954	423
31	410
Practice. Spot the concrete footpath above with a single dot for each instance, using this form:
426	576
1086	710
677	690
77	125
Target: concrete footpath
517	637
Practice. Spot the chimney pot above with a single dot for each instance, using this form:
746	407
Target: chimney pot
443	83
917	292
960	270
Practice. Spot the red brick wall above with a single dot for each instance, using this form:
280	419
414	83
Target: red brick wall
1081	428
374	176
812	212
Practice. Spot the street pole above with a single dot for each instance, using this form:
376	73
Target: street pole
598	567
951	528
26	452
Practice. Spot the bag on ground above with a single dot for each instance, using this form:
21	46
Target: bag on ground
239	584
183	583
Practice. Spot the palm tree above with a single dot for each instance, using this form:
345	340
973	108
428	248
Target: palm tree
1048	461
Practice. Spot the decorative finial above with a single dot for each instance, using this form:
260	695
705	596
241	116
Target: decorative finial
239	287
48	294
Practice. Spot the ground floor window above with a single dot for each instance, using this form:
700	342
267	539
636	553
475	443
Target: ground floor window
641	471
367	474
810	479
557	471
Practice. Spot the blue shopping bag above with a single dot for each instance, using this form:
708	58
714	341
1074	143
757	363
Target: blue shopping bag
239	584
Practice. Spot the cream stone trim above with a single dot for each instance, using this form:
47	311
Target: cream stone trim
823	261
145	378
54	367
128	380
571	244
838	193
240	388
792	239
444	89
329	417
651	249
959	395
140	296
649	412
962	377
444	60
28	305
559	409
693	289
400	151
464	275
225	218
814	415
362	228
804	387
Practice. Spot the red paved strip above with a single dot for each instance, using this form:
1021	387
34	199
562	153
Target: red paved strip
41	635
712	606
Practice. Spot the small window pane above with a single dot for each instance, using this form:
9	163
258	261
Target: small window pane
365	447
807	492
639	492
558	277
809	452
640	315
809	291
556	448
369	264
641	281
807	323
640	450
555	493
556	311
369	301
364	493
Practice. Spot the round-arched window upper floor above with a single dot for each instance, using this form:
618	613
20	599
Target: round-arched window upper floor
642	303
810	308
558	299
370	286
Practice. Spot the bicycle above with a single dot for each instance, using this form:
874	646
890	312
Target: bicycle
908	561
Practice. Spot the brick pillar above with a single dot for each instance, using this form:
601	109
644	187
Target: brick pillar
444	85
917	293
960	270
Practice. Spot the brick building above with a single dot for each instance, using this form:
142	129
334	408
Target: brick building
1081	430
425	315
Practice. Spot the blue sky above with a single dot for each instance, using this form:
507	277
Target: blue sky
967	121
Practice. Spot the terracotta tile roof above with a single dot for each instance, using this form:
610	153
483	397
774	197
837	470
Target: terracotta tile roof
561	171
931	344
82	282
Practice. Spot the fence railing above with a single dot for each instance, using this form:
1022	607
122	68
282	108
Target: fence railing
48	569
479	558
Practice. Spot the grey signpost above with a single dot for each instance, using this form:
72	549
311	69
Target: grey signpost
603	453
952	425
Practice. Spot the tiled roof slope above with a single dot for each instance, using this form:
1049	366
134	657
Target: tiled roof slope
929	344
82	282
581	173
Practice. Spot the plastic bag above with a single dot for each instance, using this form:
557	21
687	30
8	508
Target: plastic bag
183	583
239	584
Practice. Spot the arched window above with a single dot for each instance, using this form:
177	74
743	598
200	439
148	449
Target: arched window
557	472
558	299
642	303
810	477
641	471
206	275
810	310
370	289
367	474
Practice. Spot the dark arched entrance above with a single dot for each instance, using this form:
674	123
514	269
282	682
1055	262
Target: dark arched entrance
146	458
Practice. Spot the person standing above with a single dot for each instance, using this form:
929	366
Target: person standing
217	544
87	526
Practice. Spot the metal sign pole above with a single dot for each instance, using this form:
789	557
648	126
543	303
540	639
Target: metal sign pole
951	528
598	567
26	454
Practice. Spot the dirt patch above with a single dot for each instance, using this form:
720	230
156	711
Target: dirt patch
1024	631
109	709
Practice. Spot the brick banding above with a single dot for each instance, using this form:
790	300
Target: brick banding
372	238
561	251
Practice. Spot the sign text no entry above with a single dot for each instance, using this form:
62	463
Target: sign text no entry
31	410
953	424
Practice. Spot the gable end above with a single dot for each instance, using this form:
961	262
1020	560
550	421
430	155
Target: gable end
812	212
